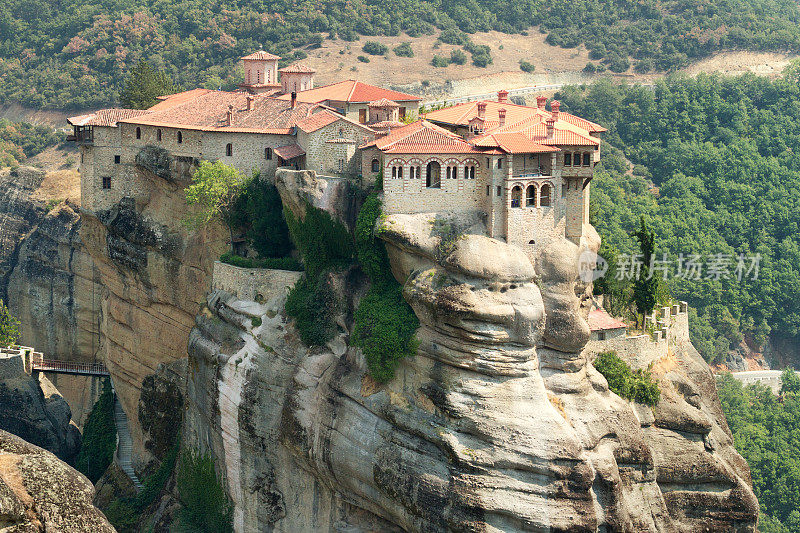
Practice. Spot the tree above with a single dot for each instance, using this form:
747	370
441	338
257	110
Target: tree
205	504
790	382
143	85
9	326
645	286
215	190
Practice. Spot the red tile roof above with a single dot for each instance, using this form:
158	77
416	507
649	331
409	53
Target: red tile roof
261	55
208	112
289	151
599	320
422	137
513	143
106	117
300	68
351	91
383	102
170	100
318	120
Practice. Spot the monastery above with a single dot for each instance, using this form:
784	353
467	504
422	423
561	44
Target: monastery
525	170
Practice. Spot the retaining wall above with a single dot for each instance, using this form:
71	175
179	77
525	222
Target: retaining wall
256	284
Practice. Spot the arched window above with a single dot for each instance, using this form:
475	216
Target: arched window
180	137
414	172
397	171
268	153
469	172
452	172
567	159
138	133
587	159
500	162
158	135
530	196
516	196
433	175
229	149
376	165
545	194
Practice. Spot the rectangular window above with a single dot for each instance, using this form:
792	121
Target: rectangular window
587	159
500	163
106	182
487	190
567	160
116	160
499	190
362	116
341	165
402	112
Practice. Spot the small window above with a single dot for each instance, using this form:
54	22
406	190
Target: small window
341	164
116	160
587	159
180	137
568	159
500	163
576	159
531	241
469	172
268	153
452	172
487	190
138	133
81	157
158	135
544	195
229	149
376	166
106	182
362	116
530	196
412	172
488	162
399	172
499	190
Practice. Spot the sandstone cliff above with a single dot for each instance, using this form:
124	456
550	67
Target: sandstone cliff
39	493
46	276
499	423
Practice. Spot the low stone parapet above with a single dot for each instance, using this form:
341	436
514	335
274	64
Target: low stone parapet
256	284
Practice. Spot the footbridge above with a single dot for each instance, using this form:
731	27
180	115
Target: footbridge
35	362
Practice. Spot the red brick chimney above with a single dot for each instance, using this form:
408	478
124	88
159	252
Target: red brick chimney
554	107
481	109
502	114
250	99
294	100
550	123
229	115
541	101
502	96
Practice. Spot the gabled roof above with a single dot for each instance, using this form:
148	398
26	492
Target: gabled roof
422	137
261	55
289	151
513	143
564	133
106	117
600	320
208	112
383	102
351	91
300	68
170	100
324	118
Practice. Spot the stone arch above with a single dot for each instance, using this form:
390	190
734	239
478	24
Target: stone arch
546	195
530	195
433	174
376	165
396	168
415	168
516	195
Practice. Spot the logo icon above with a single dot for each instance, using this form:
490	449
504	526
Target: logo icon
591	266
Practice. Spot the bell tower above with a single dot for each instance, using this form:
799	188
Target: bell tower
260	72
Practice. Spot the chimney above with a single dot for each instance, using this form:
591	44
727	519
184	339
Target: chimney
551	122
502	96
541	101
502	114
294	100
554	106
481	109
229	117
250	99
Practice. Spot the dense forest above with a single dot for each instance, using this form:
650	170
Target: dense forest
21	140
766	431
75	53
713	163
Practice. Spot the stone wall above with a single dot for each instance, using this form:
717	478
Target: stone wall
323	156
256	284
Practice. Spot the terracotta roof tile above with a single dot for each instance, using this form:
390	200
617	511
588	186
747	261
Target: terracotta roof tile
301	68
261	55
383	102
513	143
170	100
351	91
106	117
318	120
422	137
289	151
600	320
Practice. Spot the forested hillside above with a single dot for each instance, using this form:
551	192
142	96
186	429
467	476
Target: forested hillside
21	140
75	53
723	157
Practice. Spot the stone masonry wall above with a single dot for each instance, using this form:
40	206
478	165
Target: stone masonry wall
323	157
256	284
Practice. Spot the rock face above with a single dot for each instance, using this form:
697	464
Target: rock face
499	423
46	276
35	411
154	275
39	493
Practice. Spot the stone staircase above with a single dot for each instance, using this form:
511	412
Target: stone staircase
124	444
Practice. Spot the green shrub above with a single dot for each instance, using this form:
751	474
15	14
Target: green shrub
374	48
635	385
590	68
404	50
205	504
313	305
453	36
122	515
255	321
526	66
99	437
439	61
384	322
363	59
458	57
324	243
279	263
259	211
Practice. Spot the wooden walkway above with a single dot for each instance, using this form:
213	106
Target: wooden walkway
69	367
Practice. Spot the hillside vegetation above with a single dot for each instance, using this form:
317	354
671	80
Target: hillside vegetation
75	54
716	171
21	140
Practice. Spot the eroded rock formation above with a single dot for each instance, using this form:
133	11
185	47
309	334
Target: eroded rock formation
499	423
39	493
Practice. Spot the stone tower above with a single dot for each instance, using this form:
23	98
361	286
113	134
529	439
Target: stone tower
260	72
296	78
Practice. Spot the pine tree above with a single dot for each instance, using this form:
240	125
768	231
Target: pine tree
143	85
9	326
645	286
